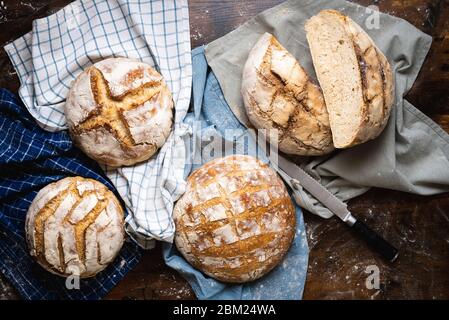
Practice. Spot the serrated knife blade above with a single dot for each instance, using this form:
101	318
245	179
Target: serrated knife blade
328	199
339	208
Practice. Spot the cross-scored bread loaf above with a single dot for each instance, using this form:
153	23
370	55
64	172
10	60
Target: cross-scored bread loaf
354	75
119	111
278	94
75	226
236	220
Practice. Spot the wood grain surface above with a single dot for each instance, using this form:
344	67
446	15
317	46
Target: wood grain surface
417	225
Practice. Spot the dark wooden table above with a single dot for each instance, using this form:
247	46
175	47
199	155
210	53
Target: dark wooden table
418	226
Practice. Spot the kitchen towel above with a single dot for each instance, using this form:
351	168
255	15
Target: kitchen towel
30	159
60	46
214	126
411	155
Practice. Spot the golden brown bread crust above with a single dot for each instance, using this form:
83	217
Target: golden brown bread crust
376	77
235	221
119	111
278	94
110	112
75	226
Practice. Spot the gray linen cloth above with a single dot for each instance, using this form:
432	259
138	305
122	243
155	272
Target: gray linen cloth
411	155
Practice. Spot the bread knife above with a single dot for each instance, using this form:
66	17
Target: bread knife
336	206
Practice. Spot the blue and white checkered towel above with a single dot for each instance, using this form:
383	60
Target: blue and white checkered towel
31	158
60	46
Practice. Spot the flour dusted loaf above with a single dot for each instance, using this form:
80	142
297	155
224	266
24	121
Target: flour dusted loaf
236	220
278	94
119	111
75	226
354	75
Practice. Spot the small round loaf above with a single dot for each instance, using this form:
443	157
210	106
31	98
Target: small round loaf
75	227
236	220
278	94
119	111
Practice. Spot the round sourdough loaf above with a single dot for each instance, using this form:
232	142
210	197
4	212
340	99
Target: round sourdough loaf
355	76
236	220
119	111
75	227
278	94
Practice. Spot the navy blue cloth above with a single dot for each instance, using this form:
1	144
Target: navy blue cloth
31	158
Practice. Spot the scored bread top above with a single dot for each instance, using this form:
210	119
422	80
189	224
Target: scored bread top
278	94
119	111
236	220
355	76
377	80
75	226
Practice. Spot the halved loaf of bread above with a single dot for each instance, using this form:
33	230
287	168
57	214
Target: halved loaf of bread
278	94
354	75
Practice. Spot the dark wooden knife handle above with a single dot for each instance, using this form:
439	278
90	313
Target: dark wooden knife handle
375	241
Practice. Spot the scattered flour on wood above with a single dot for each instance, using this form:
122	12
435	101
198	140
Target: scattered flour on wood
196	34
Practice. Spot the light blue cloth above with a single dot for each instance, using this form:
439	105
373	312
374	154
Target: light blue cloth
287	280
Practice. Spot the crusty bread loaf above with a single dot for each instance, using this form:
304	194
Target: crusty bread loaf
354	75
236	220
278	94
119	111
75	226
